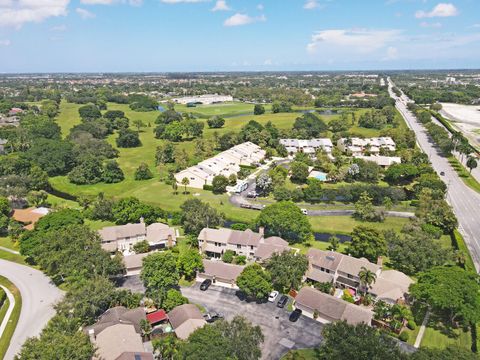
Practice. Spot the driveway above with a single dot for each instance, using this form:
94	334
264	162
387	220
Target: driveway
38	297
281	335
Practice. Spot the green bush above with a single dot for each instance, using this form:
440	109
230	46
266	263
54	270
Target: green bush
3	297
403	336
411	325
207	187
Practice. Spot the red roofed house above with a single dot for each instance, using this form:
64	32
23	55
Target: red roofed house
157	317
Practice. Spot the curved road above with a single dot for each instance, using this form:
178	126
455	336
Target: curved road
38	297
464	201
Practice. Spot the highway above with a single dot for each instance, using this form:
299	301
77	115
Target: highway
38	297
465	201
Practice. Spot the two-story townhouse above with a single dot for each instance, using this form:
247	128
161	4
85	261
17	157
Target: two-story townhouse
357	146
307	146
252	245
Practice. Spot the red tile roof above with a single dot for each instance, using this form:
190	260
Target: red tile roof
157	316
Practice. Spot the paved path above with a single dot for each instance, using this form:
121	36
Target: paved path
281	335
38	297
421	332
11	305
9	250
465	201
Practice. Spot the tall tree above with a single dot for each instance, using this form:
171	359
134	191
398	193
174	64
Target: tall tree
255	282
368	243
287	269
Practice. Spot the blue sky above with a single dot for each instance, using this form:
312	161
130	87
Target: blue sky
232	35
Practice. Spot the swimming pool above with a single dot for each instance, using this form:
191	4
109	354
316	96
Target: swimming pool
319	175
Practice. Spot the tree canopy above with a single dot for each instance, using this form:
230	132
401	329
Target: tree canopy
255	282
286	220
287	269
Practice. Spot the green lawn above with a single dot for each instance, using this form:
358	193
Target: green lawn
434	338
301	354
7	335
464	174
4	308
345	224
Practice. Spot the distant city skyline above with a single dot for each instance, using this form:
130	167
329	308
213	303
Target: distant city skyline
237	35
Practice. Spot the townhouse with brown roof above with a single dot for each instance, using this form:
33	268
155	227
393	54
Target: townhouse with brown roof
214	242
327	308
342	270
185	319
117	335
221	274
124	237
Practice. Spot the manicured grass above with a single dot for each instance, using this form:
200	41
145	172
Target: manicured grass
68	116
461	246
434	338
313	244
224	109
98	224
345	224
5	255
4	308
7	335
8	243
464	174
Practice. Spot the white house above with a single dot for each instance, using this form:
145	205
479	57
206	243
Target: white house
307	146
204	99
383	161
225	163
124	237
357	146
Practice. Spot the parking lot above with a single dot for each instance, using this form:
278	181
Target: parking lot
280	334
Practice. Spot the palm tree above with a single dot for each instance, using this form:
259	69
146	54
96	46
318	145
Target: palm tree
146	328
400	313
166	347
174	186
185	182
367	278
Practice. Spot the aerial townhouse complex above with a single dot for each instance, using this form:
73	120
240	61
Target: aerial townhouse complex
357	146
225	163
307	146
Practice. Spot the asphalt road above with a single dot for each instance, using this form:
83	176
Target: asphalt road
281	335
38	297
465	201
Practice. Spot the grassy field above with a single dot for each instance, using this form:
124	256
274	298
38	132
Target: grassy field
7	335
157	193
464	174
345	224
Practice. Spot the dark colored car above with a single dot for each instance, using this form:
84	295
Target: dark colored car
295	315
442	173
212	317
205	284
283	301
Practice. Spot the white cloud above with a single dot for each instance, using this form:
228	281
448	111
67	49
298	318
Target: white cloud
5	42
392	54
356	40
243	19
310	4
476	25
440	10
434	25
260	7
84	14
221	5
17	13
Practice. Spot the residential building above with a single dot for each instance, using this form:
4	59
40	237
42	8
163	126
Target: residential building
185	319
357	146
124	237
203	99
133	263
252	245
225	163
117	335
342	270
383	161
220	273
307	146
327	308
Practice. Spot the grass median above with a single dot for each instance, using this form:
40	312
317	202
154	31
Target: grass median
12	324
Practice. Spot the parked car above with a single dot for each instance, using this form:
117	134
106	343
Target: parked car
442	173
205	284
252	194
304	211
295	315
283	301
212	316
273	295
